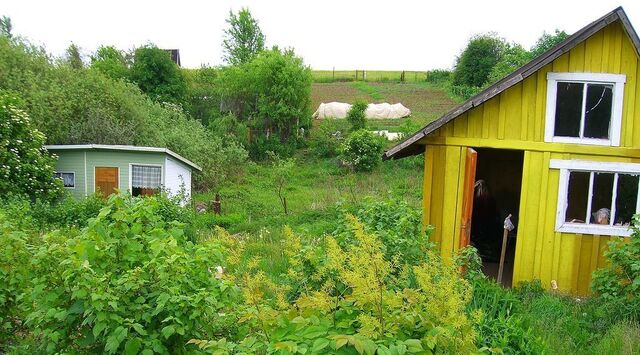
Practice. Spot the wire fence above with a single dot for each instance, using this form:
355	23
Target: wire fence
328	76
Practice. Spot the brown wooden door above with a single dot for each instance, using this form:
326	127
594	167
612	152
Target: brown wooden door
467	197
106	180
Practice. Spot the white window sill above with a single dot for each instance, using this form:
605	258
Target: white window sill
588	141
595	229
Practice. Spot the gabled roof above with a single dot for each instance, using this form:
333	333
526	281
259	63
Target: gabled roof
128	148
410	146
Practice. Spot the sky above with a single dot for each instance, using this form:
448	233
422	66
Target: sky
369	35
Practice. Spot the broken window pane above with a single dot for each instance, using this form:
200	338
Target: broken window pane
626	199
568	109
598	111
601	198
577	196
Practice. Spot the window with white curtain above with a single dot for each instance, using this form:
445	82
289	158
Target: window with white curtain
146	180
68	179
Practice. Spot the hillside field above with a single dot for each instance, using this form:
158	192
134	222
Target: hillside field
425	101
324	76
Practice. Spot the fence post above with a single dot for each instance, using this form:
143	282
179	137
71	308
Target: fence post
333	77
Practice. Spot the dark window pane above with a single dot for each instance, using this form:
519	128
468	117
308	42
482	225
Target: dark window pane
598	111
68	179
577	196
601	200
568	109
626	198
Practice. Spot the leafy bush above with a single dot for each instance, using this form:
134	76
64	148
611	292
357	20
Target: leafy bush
477	60
27	168
354	300
618	283
157	75
395	224
326	138
261	145
129	282
229	127
356	115
439	76
362	150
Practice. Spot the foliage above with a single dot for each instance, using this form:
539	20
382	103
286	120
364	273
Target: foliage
270	93
514	56
477	60
439	76
129	282
111	62
362	150
351	300
326	138
157	75
395	224
6	27
356	115
243	40
261	145
73	58
27	168
546	41
618	283
203	100
281	175
230	127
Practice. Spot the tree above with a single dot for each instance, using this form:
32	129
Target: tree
356	115
27	168
73	57
6	27
243	40
111	62
514	57
547	41
478	59
158	76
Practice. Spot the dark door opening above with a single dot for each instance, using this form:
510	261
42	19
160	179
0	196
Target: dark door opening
496	195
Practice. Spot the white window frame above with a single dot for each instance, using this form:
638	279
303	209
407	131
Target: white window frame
567	166
131	165
74	178
617	80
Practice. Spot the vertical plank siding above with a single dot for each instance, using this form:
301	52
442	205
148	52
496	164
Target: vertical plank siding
518	115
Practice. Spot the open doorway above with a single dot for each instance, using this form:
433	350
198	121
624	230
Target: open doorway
496	195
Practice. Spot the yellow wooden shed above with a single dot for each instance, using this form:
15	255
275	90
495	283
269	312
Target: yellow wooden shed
556	144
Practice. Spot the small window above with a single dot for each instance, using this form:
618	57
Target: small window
145	180
584	108
597	198
68	179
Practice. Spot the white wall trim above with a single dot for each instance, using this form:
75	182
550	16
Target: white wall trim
86	177
615	127
588	165
162	173
588	77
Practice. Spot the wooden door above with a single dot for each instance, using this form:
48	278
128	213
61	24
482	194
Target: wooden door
106	180
467	196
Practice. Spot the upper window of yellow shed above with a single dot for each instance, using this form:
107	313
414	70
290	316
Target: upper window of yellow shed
584	108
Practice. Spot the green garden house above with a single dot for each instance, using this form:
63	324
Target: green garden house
90	168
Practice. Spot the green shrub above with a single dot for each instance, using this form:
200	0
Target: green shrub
26	167
439	76
261	145
356	115
325	139
129	282
362	150
229	127
618	283
398	226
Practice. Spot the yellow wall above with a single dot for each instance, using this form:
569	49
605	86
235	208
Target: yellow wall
515	120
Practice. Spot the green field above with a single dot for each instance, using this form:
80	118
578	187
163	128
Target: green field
327	76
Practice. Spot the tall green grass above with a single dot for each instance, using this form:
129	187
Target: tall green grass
328	76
